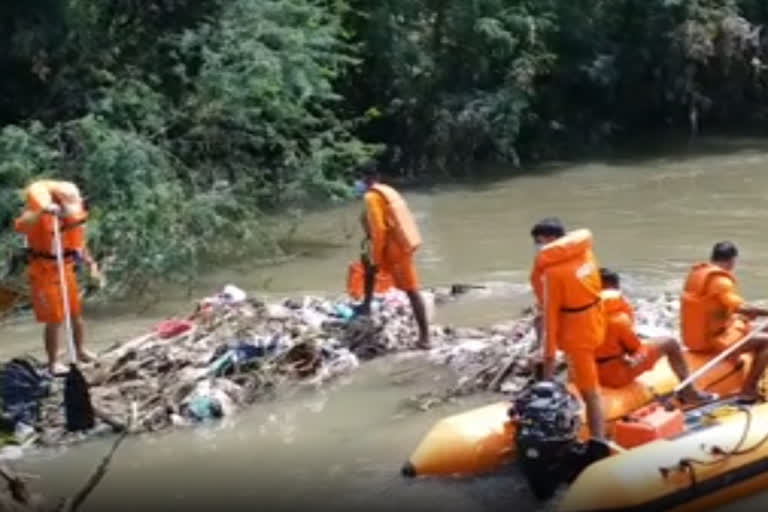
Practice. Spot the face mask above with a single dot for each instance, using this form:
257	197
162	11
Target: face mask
537	246
360	188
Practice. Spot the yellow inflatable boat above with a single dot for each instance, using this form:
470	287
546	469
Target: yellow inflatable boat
481	440
722	458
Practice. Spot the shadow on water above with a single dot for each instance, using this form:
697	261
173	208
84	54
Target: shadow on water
664	149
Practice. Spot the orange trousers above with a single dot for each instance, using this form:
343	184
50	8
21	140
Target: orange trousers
403	272
356	281
582	370
46	291
616	373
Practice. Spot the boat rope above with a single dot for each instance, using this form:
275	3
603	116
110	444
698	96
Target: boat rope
687	464
719	454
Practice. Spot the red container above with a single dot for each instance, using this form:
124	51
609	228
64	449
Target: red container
647	424
171	328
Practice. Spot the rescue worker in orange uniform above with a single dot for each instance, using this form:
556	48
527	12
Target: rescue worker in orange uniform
566	282
44	199
393	237
713	316
623	357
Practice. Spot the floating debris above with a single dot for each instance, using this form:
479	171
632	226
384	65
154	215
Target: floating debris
230	352
503	357
233	351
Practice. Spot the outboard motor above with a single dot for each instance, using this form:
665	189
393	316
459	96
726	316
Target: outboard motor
547	435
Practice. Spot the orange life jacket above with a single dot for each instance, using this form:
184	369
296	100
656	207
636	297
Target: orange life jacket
579	321
702	317
42	193
617	311
575	244
399	219
615	303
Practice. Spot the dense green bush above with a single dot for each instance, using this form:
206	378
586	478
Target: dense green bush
179	161
185	121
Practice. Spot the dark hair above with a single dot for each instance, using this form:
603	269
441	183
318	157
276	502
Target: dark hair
369	170
724	251
551	226
609	277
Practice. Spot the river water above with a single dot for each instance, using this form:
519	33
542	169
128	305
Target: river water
341	447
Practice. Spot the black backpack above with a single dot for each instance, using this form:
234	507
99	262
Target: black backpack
22	388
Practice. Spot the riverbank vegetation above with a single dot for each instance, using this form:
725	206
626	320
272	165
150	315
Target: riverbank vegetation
185	121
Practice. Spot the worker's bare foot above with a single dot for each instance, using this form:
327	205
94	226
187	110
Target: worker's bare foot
86	356
58	369
362	310
748	398
692	395
423	344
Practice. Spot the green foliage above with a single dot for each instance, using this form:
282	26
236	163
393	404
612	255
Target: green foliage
185	121
179	160
461	81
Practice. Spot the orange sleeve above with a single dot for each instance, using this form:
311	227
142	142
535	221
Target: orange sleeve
626	333
377	227
724	290
552	302
23	224
536	285
20	226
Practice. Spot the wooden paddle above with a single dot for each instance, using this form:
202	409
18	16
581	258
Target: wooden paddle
77	398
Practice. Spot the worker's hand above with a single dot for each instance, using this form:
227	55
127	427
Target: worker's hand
96	276
52	208
634	360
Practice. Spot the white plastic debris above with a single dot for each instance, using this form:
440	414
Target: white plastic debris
231	294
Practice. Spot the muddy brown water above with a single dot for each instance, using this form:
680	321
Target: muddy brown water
341	447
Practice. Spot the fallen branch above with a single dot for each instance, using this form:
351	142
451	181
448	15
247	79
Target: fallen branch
495	384
116	425
16	486
80	496
73	503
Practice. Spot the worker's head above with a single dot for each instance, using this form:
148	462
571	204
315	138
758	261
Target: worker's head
367	176
610	279
68	196
546	231
724	255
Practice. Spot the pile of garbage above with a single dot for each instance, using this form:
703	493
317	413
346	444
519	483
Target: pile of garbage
502	358
233	351
230	352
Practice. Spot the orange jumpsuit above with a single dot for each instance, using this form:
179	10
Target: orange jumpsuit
709	321
568	282
386	252
620	340
42	270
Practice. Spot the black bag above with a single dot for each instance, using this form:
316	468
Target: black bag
22	389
